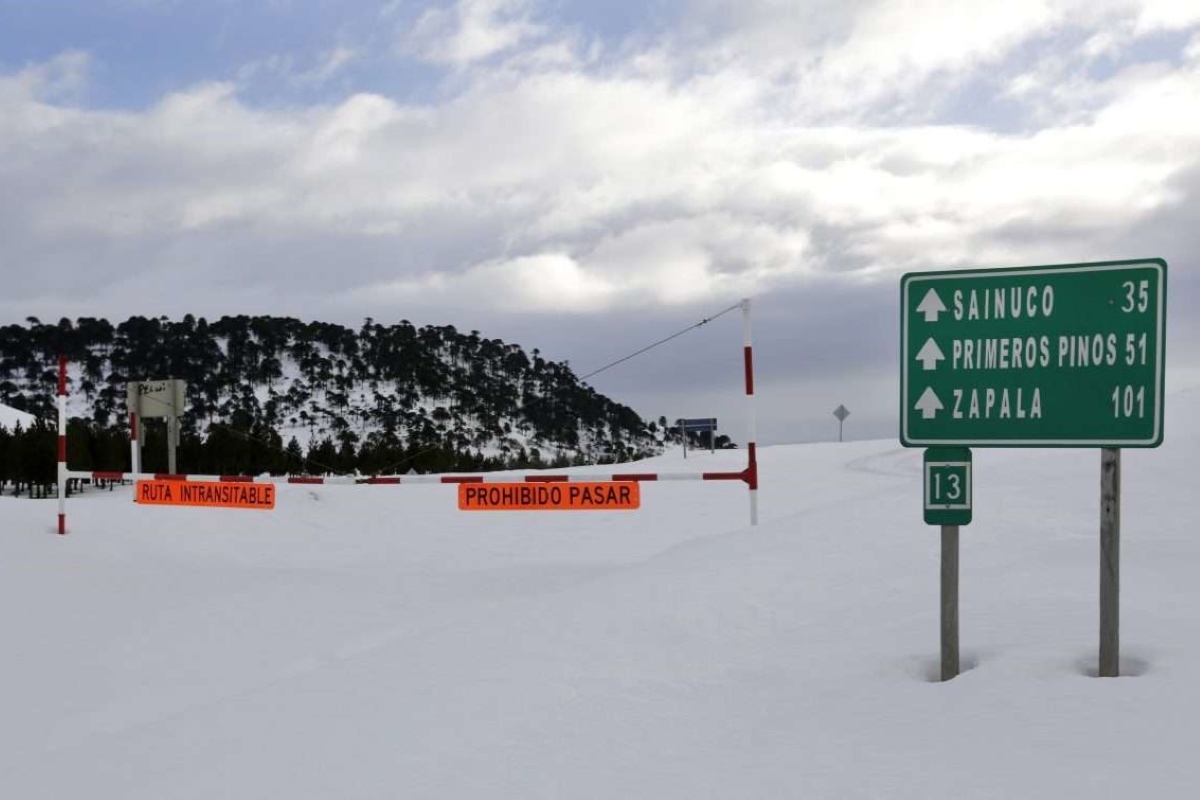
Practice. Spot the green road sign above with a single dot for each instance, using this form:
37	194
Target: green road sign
947	486
1068	355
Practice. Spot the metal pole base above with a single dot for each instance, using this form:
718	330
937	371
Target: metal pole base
950	663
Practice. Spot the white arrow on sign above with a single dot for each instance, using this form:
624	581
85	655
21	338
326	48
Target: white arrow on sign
929	404
930	354
931	306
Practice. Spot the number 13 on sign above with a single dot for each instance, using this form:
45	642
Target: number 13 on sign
948	486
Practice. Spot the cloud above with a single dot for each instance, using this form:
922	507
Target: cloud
331	63
471	31
673	262
920	61
1168	15
651	190
539	282
854	59
62	79
285	67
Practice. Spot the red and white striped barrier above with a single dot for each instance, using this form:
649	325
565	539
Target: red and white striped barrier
134	451
396	480
62	445
749	475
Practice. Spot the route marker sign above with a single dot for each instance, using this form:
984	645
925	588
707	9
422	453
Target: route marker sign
948	486
1067	355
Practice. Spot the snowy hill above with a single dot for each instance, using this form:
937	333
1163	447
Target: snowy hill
432	397
374	642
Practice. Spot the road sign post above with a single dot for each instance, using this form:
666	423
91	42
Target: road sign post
949	605
1068	355
1110	562
948	497
698	425
841	412
148	399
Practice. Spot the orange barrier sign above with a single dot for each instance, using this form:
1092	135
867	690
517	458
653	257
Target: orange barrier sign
220	495
606	496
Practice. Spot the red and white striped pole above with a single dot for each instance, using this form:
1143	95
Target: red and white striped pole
134	466
62	445
752	467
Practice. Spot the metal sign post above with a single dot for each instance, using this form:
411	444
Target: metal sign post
699	425
173	432
948	504
1067	355
146	399
1110	562
949	615
841	412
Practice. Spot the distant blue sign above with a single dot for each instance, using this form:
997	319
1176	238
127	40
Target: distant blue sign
702	424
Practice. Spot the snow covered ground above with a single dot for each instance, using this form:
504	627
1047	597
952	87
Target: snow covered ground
375	642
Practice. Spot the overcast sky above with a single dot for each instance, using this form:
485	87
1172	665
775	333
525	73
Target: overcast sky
587	177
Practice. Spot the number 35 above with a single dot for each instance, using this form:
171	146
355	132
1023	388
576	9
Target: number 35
1139	302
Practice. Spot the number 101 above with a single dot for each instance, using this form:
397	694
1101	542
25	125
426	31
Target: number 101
1126	400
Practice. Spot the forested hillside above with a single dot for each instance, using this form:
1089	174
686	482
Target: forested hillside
280	395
